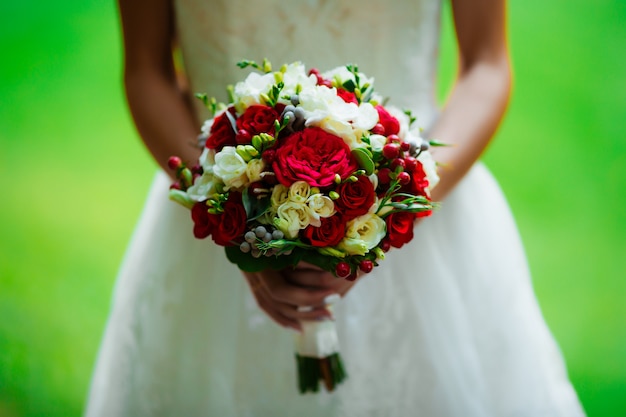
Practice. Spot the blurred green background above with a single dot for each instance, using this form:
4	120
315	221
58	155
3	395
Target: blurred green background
74	174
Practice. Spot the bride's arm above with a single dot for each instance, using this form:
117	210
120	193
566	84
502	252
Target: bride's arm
160	109
164	118
479	98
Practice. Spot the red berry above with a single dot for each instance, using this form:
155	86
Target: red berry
391	150
175	186
174	163
269	156
398	162
385	245
343	269
197	169
366	266
404	178
351	277
394	139
410	164
243	137
383	175
378	129
405	146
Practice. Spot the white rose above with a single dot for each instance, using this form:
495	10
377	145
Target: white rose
291	218
248	92
362	234
203	187
430	169
230	168
254	169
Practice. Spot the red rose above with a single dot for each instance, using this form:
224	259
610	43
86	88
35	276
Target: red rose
258	119
355	198
232	222
400	228
330	233
222	133
314	156
203	222
419	181
390	123
347	96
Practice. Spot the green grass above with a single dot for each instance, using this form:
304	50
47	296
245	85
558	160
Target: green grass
70	165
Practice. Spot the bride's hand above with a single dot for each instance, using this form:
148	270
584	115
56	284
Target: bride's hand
302	293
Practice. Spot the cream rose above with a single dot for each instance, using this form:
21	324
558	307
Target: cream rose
203	187
230	168
362	234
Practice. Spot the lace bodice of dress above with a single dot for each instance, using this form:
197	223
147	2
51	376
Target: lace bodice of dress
395	42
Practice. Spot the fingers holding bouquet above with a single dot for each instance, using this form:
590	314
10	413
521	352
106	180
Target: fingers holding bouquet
288	303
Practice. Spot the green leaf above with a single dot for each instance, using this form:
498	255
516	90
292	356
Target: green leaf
255	207
364	159
349	86
437	143
248	263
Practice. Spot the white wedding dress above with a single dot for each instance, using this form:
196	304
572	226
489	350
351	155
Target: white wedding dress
446	326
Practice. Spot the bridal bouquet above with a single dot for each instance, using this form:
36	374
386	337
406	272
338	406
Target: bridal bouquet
307	166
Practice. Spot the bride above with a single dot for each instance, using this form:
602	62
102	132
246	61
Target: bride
446	326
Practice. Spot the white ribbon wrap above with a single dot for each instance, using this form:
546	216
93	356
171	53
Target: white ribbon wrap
318	339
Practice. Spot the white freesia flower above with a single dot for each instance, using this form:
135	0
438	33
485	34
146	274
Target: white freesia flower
362	234
291	217
430	168
248	92
342	75
295	75
230	168
366	117
321	102
254	169
299	191
203	187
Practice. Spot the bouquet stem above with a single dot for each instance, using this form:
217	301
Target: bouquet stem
317	357
311	371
